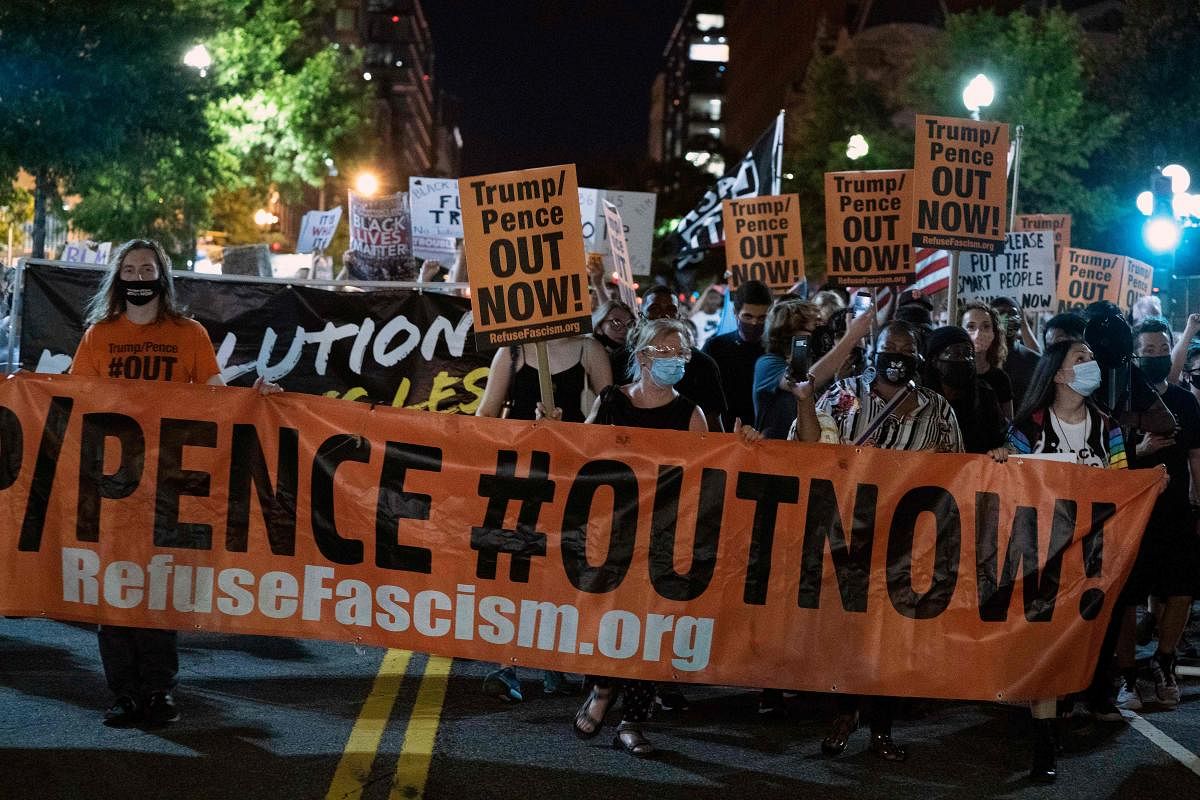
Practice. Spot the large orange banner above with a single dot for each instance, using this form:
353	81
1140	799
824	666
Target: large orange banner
652	554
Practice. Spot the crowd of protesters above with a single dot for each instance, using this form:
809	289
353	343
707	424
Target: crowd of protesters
1092	389
785	367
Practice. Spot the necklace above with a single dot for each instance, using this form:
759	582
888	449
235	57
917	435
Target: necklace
1062	433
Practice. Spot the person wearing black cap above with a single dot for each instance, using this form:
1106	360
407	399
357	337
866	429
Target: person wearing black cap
950	371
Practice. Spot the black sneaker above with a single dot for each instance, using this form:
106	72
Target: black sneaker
125	712
671	700
161	709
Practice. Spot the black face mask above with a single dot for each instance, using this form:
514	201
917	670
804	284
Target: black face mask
955	374
895	368
139	293
1155	368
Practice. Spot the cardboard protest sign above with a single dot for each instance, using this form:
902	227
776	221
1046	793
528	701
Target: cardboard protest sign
652	554
436	210
763	240
380	241
1136	283
1024	273
524	255
620	254
959	188
438	248
1090	276
868	228
317	229
1057	224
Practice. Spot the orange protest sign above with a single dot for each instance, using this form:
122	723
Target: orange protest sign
1058	224
525	262
661	555
1089	277
1136	282
959	189
868	227
763	241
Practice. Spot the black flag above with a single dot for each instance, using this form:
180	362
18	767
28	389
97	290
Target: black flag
756	174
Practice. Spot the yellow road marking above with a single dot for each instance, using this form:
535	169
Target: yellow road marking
354	770
412	769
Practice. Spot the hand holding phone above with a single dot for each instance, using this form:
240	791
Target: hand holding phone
799	361
861	303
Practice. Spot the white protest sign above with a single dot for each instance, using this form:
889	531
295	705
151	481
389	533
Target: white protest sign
591	218
80	253
637	212
1024	272
436	248
435	208
317	229
620	254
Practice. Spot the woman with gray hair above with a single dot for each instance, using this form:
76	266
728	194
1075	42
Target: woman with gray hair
659	351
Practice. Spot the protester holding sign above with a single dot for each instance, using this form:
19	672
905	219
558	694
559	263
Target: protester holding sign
138	332
1058	416
982	325
513	381
923	420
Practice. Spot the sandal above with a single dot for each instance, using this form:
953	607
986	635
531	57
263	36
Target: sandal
584	718
630	739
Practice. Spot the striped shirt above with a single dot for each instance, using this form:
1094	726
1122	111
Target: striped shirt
850	406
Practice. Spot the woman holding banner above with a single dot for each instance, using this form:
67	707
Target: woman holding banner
1057	416
660	350
134	315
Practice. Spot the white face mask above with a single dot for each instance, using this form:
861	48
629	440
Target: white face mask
1087	378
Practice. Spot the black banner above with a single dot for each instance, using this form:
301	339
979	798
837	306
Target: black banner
391	346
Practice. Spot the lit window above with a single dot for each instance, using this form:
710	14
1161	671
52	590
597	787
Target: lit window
714	132
708	22
709	52
716	166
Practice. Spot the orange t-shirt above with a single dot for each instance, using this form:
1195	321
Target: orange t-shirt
170	350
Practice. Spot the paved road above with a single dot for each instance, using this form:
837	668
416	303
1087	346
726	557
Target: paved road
283	718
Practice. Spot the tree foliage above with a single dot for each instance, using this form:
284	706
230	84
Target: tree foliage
1042	80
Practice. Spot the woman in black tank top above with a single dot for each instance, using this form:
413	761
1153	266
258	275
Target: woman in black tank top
661	349
513	379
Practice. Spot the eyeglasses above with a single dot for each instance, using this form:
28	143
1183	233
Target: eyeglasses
619	324
657	351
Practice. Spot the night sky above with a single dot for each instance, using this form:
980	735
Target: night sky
546	82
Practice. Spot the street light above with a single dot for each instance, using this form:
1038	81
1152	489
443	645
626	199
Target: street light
198	58
366	184
1161	235
857	147
979	94
1180	179
264	218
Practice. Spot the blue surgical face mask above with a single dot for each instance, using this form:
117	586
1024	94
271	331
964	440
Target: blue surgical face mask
667	371
1087	378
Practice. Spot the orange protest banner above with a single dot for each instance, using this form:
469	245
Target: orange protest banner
651	554
1136	282
1058	224
1090	276
763	241
525	262
868	227
959	188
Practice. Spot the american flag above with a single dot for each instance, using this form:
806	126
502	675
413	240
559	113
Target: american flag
933	275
